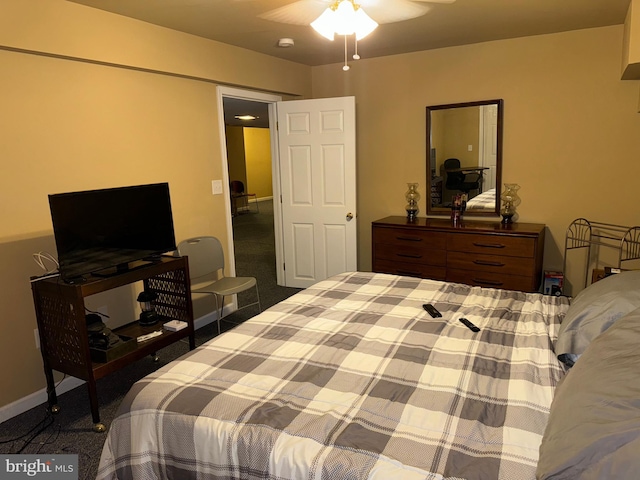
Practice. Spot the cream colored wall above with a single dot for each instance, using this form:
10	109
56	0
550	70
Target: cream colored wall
236	153
74	119
249	157
571	127
465	133
58	27
257	143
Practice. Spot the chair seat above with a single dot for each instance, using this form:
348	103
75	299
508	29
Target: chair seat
206	269
225	286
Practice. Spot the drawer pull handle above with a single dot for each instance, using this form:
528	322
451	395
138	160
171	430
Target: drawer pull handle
487	282
408	255
489	245
407	273
490	264
410	239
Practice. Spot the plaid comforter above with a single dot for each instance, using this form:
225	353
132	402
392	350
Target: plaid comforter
485	201
352	379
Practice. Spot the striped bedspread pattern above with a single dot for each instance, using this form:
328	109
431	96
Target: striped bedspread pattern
352	379
486	201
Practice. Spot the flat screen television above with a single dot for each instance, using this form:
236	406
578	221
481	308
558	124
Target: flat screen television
104	232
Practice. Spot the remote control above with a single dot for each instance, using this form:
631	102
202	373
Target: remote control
470	325
431	310
149	336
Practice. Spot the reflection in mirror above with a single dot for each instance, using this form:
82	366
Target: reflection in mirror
464	156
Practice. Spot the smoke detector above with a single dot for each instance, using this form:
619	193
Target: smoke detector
285	42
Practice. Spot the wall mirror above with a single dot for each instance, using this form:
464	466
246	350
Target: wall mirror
464	156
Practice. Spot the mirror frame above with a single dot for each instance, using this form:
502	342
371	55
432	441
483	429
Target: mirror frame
433	211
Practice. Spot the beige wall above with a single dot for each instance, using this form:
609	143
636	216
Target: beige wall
249	157
258	148
464	123
84	122
571	127
236	153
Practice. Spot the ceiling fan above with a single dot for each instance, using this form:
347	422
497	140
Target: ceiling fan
303	12
348	17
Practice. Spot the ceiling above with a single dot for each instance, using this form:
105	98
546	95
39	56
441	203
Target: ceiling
236	106
236	22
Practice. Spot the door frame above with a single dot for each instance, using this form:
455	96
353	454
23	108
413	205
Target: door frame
271	100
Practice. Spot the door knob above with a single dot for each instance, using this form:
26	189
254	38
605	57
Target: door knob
349	216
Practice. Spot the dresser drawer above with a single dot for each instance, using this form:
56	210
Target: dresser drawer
477	262
410	253
410	269
491	280
510	246
405	237
481	253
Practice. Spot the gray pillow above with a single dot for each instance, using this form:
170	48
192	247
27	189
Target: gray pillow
594	310
593	431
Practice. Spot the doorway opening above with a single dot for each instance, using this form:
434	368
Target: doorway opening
250	155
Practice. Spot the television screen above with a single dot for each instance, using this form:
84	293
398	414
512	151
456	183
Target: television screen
102	232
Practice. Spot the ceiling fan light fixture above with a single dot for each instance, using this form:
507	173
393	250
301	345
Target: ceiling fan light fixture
324	24
344	18
364	24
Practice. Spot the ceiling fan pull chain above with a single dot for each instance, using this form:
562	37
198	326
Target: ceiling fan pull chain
355	55
346	66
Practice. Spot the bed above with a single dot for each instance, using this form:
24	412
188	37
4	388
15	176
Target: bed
353	379
486	201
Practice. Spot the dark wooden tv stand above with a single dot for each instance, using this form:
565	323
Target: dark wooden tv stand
64	342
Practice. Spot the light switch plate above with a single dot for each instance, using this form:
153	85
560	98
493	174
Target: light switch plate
216	187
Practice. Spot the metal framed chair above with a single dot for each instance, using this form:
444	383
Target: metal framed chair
206	270
241	198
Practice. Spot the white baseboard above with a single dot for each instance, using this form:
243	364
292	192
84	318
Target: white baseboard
25	404
37	398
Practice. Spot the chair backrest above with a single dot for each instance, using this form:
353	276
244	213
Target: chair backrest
450	163
237	186
206	256
454	179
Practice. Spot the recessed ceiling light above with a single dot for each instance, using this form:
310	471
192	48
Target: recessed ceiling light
246	117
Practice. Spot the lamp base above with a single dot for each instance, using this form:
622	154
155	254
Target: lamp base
412	213
148	319
507	218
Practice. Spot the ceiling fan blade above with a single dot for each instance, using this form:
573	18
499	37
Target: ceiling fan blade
389	11
302	12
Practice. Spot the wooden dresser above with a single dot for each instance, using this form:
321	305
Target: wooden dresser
486	254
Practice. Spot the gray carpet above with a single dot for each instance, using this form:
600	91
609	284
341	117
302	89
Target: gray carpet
70	431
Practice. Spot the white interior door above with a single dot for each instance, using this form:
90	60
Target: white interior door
489	148
317	166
